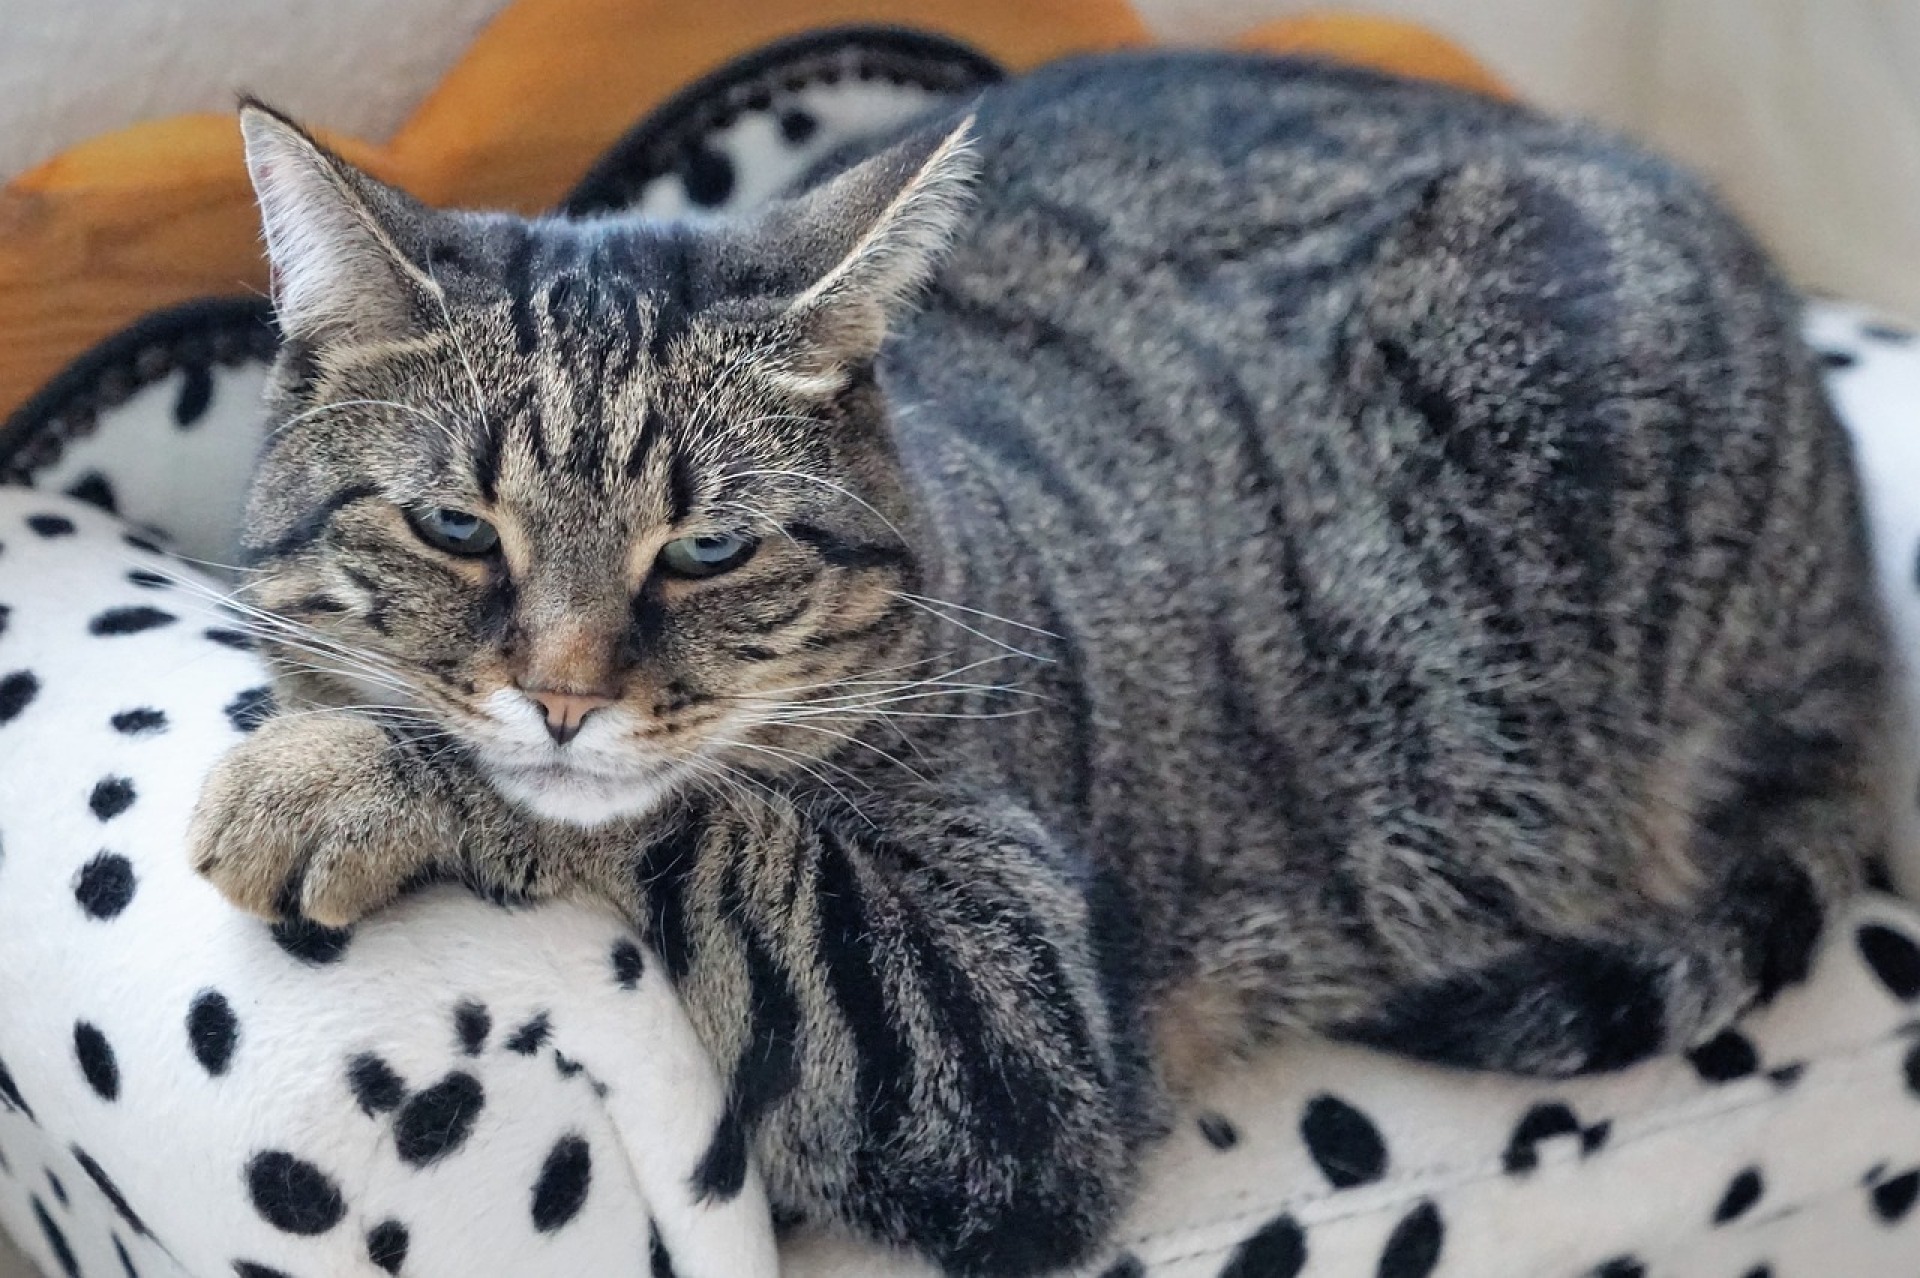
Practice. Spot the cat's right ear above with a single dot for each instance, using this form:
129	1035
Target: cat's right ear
334	238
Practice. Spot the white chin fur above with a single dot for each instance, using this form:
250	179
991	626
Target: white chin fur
579	798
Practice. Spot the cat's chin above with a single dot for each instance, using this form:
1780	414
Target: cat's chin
574	796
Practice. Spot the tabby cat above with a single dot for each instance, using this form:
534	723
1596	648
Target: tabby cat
1204	547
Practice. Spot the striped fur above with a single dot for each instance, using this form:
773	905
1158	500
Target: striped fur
1324	554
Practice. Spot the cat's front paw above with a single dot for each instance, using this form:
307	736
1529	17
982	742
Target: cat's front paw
311	814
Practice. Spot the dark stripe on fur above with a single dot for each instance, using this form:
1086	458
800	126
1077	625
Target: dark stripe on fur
311	527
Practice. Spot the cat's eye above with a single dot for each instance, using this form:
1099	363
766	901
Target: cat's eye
454	531
707	556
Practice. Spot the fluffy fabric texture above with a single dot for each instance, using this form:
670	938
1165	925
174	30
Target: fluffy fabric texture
459	1089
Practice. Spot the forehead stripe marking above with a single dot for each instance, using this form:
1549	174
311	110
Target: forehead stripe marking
526	333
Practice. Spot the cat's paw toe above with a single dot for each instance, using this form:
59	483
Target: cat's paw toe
294	821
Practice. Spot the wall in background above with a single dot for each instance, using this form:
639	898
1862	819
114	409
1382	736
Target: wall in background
1806	112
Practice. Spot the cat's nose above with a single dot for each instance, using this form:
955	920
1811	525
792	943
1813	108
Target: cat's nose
565	711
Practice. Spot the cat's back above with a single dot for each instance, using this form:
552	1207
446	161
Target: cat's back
1399	470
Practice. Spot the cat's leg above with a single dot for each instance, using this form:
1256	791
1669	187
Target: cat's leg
925	1008
331	815
320	814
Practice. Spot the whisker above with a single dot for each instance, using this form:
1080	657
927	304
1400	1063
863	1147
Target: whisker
978	612
850	738
827	483
976	633
800	762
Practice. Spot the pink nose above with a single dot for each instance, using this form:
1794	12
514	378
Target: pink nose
566	711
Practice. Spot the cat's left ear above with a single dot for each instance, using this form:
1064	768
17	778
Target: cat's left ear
883	225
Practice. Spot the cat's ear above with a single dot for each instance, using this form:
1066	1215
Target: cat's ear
884	225
334	237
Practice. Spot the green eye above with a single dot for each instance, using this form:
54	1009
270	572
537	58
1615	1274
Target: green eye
707	556
454	531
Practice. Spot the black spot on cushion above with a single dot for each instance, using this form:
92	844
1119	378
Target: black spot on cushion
1218	1131
17	691
1759	1271
105	886
10	1093
1894	958
111	796
250	709
1414	1247
628	965
471	1024
56	1240
437	1121
196	393
51	525
1542	1122
141	722
104	1183
130	620
293	1195
387	1244
1724	1057
312	944
797	126
531	1037
561	1189
1741	1194
94	489
1787	1075
1893	1198
376	1088
213	1031
97	1062
1621	1267
708	175
659	1259
1838	359
1278	1250
1343	1141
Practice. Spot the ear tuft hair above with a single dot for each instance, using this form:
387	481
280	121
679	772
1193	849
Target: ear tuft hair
339	273
904	207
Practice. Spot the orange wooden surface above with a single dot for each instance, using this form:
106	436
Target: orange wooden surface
161	212
1385	44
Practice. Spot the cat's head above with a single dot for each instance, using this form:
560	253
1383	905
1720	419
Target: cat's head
611	504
